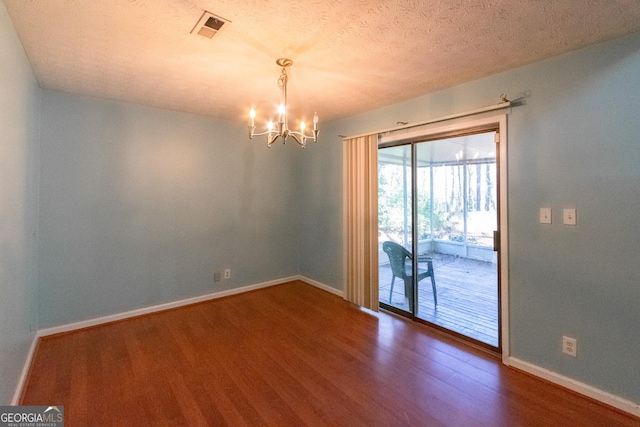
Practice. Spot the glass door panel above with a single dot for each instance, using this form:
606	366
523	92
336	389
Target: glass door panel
394	223
458	204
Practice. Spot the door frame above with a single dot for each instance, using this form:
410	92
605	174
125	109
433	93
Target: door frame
456	126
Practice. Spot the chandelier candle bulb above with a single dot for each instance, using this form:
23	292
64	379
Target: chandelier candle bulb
252	126
280	113
315	121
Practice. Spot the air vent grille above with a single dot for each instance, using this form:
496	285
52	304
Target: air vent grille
209	25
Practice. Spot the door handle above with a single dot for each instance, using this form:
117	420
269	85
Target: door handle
496	241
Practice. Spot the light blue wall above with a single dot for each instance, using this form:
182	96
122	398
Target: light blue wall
19	133
320	209
139	206
574	141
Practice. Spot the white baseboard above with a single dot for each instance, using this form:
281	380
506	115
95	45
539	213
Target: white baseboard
584	389
156	308
25	372
322	286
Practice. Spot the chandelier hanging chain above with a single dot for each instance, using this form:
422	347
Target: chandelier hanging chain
282	81
283	130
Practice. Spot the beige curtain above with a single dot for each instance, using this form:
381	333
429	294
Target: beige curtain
361	220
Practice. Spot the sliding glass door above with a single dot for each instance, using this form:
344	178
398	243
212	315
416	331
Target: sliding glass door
438	210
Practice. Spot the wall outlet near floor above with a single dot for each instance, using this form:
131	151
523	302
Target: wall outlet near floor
570	346
227	273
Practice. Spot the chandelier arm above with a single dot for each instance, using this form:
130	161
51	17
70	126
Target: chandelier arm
305	136
300	141
299	134
262	133
272	139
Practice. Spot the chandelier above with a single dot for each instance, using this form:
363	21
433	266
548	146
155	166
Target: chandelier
282	128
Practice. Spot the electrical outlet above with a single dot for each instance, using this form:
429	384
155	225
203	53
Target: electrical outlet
570	346
227	273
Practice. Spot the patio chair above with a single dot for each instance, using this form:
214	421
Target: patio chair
400	268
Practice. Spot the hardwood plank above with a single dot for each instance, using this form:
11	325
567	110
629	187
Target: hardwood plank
289	355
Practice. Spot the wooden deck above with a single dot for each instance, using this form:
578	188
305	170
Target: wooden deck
467	296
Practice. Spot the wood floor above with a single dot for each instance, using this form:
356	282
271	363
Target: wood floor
289	355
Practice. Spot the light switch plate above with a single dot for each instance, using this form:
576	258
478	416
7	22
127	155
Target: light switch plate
545	215
569	216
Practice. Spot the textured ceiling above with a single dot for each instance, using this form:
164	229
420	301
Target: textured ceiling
349	55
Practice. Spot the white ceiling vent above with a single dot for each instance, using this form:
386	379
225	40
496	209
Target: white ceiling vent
209	25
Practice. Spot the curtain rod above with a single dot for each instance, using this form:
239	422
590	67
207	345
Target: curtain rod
499	106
